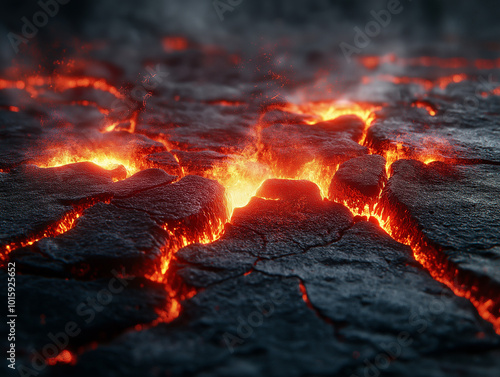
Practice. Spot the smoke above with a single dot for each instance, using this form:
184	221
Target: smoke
294	26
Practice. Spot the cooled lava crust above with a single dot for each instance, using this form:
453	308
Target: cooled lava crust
253	212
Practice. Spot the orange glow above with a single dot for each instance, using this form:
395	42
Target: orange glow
66	223
328	110
36	85
242	177
65	357
111	127
86	103
432	61
106	159
486	64
227	103
174	44
173	308
303	290
427	84
428	160
243	174
372	62
427	257
404	231
400	152
180	239
443	82
425	106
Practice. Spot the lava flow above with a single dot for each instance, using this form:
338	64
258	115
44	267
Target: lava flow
291	154
62	226
243	174
243	178
107	159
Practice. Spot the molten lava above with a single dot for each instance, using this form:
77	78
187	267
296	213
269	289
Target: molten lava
242	174
37	85
66	223
106	159
327	110
65	357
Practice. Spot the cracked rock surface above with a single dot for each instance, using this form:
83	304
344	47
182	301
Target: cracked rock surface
164	278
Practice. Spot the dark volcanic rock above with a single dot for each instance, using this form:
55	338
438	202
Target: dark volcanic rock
141	181
99	309
456	134
190	207
453	214
359	181
17	132
128	232
295	286
350	124
105	238
164	160
198	162
371	304
292	226
263	229
32	198
134	144
329	142
199	126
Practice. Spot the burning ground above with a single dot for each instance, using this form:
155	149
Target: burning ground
253	213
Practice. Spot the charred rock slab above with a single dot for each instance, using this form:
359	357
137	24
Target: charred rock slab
330	142
33	199
92	311
191	207
453	213
105	238
338	323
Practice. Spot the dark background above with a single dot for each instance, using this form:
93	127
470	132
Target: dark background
456	24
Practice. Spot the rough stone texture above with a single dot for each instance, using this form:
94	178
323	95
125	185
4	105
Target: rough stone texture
99	308
366	291
128	233
17	130
327	142
455	210
105	237
227	89
164	160
265	229
141	181
189	207
455	134
359	181
199	161
33	198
